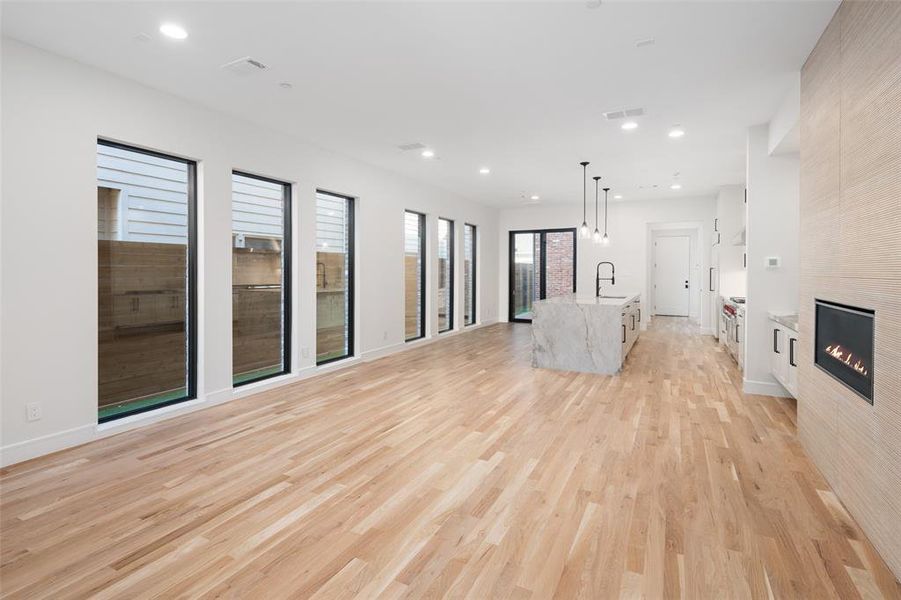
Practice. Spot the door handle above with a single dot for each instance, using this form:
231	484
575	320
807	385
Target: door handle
737	341
710	280
686	284
776	341
633	322
624	333
639	315
791	351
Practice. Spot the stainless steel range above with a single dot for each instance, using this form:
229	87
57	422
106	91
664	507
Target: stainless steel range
732	328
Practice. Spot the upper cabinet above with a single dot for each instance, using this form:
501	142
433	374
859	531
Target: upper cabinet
729	237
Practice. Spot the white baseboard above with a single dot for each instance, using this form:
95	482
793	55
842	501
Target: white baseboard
765	388
46	444
54	442
707	330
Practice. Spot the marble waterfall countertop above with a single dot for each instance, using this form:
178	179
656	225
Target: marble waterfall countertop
611	300
579	333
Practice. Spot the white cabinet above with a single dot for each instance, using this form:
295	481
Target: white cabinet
631	325
791	380
783	356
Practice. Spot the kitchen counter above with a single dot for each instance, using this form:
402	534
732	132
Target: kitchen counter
790	321
620	300
584	333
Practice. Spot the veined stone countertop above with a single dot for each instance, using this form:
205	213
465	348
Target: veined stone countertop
790	321
579	333
590	300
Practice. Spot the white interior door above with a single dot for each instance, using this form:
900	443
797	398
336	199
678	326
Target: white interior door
671	275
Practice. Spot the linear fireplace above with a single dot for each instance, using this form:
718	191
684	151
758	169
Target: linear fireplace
844	345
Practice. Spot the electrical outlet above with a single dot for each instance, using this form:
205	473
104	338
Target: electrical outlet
33	410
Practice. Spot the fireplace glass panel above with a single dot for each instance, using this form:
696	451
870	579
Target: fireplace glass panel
844	345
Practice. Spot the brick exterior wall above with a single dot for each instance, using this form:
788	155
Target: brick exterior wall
559	264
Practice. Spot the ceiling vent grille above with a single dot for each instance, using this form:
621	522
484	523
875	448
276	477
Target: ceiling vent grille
413	146
244	66
622	114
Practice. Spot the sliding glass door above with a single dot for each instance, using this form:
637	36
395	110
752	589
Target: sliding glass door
146	280
445	275
414	275
542	265
261	277
334	277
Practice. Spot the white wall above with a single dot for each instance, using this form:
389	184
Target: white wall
54	110
630	224
784	129
773	229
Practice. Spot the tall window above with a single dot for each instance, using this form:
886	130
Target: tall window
334	277
414	275
445	275
469	274
261	278
146	280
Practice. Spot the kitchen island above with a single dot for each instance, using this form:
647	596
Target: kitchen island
584	333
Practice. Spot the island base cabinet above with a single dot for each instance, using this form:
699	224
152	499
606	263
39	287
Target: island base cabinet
631	325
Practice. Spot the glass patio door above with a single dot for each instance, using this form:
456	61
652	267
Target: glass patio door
542	265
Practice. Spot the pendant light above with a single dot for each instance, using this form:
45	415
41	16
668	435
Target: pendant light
606	239
584	232
596	236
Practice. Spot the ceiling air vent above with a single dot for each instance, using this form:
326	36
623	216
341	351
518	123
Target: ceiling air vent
244	66
413	146
622	114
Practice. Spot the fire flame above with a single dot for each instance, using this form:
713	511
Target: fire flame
839	353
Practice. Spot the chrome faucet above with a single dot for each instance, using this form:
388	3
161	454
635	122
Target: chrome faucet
598	279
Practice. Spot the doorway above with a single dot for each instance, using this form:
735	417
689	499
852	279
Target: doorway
542	265
672	273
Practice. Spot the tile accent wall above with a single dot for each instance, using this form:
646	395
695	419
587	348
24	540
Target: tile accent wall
851	254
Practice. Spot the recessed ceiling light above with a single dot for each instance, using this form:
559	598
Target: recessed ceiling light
676	132
629	125
176	32
428	153
617	196
676	186
534	198
484	170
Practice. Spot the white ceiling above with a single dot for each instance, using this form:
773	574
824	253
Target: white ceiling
519	88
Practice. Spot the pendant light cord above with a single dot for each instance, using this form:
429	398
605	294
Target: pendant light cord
605	209
584	192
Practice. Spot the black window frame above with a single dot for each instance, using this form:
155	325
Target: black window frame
422	272
452	267
542	265
287	245
191	287
474	262
351	276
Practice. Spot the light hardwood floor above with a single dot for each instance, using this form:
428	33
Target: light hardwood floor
450	470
